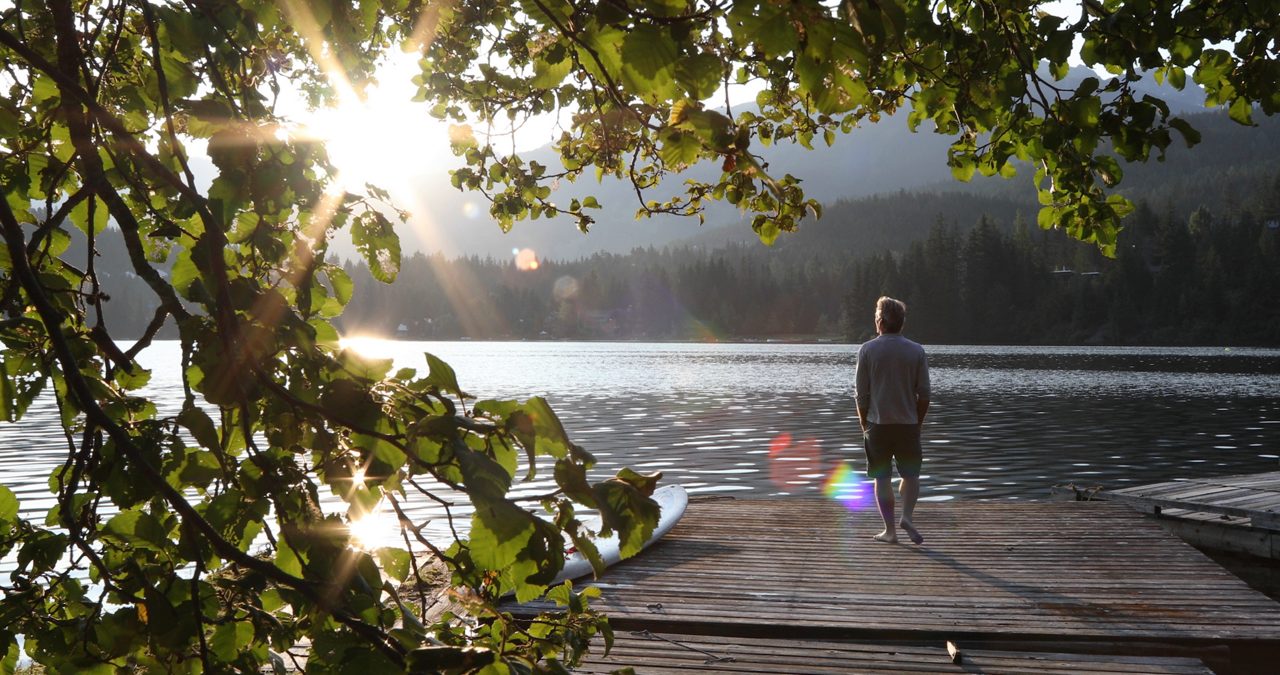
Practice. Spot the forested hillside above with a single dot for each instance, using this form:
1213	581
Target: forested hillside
1209	279
1197	264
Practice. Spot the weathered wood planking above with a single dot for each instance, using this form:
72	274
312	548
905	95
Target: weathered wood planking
1021	571
673	653
1252	496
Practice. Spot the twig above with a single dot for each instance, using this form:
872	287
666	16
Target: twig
711	657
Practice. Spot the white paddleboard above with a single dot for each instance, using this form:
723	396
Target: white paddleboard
672	500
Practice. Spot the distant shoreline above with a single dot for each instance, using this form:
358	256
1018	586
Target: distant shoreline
818	340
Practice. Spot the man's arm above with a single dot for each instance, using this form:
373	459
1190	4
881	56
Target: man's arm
861	389
922	389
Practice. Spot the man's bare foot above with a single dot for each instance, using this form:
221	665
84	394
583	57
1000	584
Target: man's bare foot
916	537
887	537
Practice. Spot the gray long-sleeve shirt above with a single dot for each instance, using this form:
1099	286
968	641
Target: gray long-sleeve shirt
891	375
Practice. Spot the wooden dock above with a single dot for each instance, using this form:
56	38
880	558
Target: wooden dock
657	654
1231	513
1091	577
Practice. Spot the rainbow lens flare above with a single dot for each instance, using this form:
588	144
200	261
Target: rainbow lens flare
849	488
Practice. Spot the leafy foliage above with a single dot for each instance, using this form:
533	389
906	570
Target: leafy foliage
196	541
638	79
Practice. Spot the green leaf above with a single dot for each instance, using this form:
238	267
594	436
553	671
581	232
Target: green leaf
185	276
9	664
500	531
441	375
137	528
287	559
768	26
1241	111
80	216
767	229
1086	112
1047	218
341	284
700	75
811	74
1121	206
1108	170
587	548
200	469
1189	133
8	123
201	427
59	241
395	561
962	166
8	506
486	479
552	439
363	367
377	241
42	550
628	511
550	73
572	478
679	149
666	7
43	89
230	639
649	63
604	51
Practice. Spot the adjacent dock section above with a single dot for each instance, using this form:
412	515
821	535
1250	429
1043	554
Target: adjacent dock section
1061	577
1233	513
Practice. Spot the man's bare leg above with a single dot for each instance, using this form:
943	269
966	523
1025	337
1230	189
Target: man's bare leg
909	489
884	502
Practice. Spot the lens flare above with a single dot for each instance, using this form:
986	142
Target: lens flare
527	260
848	487
565	288
376	529
369	346
795	464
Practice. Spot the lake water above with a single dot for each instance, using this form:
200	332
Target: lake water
777	420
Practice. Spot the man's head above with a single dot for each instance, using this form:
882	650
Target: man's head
890	315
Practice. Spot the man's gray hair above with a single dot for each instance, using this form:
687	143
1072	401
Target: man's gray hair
891	314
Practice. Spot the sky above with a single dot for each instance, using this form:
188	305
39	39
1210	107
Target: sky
392	142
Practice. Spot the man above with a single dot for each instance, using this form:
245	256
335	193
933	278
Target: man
892	391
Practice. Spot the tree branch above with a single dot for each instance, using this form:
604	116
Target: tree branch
80	391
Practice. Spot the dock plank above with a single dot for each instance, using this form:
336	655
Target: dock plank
1252	496
659	654
808	569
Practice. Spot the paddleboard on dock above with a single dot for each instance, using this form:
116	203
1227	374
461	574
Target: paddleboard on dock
672	500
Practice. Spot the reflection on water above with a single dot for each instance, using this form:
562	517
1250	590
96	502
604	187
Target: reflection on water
778	420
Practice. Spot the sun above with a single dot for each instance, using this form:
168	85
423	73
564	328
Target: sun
373	530
381	137
390	144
